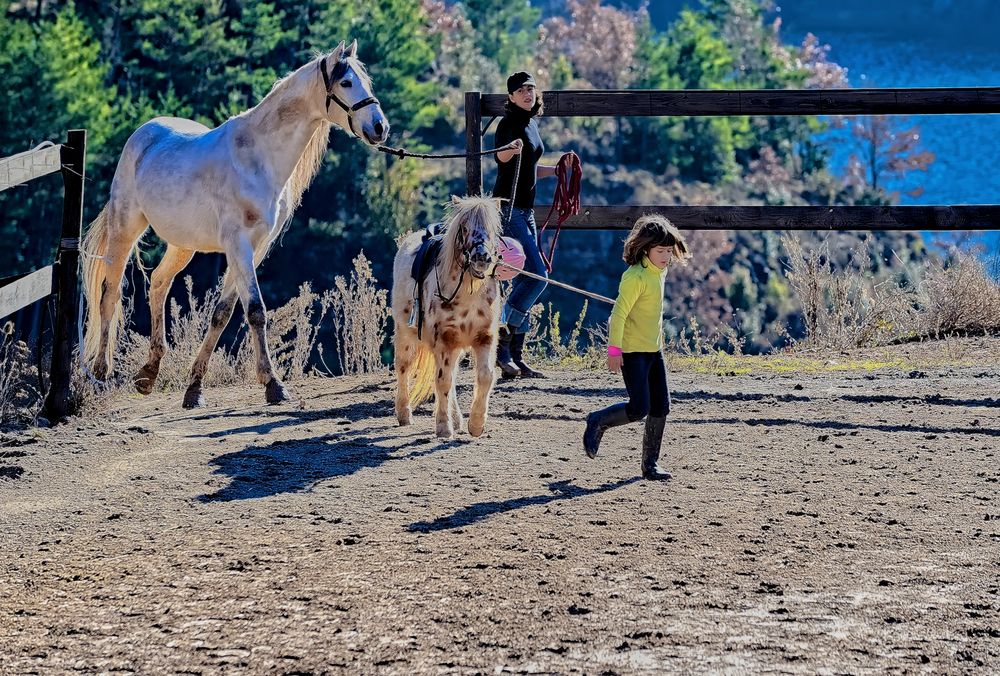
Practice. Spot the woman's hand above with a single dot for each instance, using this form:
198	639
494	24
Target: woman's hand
515	149
615	363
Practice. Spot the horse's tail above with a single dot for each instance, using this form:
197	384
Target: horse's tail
423	376
95	264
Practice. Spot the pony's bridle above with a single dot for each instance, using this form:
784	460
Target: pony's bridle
330	82
467	248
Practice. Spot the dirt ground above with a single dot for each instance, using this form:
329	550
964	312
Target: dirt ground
826	522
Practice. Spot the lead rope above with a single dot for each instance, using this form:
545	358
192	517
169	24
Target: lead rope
565	202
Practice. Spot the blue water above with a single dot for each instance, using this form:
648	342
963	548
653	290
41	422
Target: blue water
908	43
966	169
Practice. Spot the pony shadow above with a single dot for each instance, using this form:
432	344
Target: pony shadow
559	490
297	465
837	425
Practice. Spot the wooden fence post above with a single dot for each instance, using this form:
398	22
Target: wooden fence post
473	143
60	402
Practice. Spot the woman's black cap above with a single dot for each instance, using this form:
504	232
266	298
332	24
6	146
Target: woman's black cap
518	80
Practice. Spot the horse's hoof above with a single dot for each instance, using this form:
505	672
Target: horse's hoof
193	398
100	371
145	380
275	392
445	433
404	419
476	430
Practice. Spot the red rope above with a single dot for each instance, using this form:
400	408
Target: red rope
565	202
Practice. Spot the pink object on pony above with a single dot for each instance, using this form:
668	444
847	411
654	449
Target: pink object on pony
512	253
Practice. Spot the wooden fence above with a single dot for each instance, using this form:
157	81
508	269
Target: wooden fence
633	103
62	277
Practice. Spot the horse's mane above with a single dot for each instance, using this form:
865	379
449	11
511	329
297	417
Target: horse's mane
478	213
312	156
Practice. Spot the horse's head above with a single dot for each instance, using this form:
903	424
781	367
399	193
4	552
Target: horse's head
473	227
349	87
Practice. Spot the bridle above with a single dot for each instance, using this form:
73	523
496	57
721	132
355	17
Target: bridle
330	82
467	248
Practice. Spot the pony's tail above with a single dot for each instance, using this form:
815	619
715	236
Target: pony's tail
422	374
95	264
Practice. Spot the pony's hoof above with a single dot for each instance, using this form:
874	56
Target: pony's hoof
445	432
476	430
193	398
404	419
275	392
145	379
100	370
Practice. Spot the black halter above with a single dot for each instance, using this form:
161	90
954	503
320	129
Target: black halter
466	265
330	81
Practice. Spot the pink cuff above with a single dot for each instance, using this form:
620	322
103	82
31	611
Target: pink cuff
614	351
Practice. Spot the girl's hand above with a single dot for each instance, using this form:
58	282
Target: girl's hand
615	363
517	145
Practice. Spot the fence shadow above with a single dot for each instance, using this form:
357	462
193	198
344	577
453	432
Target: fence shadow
367	410
559	490
838	425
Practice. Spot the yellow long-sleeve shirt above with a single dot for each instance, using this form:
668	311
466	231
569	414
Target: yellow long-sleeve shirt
636	323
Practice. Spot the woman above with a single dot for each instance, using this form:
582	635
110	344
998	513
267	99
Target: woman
518	125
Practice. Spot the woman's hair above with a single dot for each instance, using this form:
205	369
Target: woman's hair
536	110
653	230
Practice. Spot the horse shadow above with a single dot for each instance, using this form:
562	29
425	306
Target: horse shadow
467	516
296	465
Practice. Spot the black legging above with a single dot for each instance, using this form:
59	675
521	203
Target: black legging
646	382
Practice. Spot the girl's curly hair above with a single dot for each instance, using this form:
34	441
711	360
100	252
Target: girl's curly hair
654	230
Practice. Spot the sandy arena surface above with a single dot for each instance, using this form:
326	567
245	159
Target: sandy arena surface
830	522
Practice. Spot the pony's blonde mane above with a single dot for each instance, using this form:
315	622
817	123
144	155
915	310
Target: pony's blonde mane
478	213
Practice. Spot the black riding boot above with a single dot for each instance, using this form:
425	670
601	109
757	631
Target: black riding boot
507	367
598	422
651	441
517	356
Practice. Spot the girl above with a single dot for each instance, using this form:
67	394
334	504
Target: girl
518	124
635	340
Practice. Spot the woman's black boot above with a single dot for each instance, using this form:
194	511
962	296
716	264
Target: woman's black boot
507	368
651	441
598	422
517	356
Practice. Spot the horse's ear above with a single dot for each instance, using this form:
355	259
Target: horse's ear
338	53
352	50
455	199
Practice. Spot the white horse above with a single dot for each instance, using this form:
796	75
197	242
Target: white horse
462	311
230	189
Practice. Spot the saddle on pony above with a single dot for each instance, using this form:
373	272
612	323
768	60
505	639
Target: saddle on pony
423	263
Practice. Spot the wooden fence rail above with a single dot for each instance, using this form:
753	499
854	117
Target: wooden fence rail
62	277
633	103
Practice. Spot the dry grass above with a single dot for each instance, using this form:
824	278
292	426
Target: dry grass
846	308
20	399
850	308
957	296
360	316
358	310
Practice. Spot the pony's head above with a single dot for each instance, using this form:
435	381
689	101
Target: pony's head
472	230
349	89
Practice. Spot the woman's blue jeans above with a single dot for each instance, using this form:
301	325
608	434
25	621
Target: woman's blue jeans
524	291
